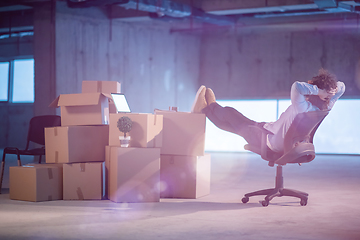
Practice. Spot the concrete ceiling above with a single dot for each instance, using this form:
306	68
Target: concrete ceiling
230	12
209	12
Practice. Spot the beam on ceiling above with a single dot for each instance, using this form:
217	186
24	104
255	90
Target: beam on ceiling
5	3
116	11
222	5
324	4
167	8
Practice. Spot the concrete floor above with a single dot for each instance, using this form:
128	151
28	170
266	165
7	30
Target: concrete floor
333	210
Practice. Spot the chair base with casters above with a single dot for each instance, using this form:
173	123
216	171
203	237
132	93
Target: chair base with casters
298	148
36	135
278	191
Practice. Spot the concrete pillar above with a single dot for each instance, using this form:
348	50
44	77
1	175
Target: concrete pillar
44	55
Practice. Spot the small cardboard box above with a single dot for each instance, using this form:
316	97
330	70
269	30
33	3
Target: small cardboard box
83	108
183	133
76	144
146	130
184	176
38	182
83	181
100	87
133	174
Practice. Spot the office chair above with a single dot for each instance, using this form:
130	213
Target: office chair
36	134
298	148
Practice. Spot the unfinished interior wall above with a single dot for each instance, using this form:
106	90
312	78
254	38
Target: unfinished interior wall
263	64
156	69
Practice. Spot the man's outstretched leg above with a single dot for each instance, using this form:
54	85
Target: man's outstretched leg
225	118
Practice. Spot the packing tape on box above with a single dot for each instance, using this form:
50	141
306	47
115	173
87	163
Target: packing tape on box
79	194
99	86
50	173
82	167
56	156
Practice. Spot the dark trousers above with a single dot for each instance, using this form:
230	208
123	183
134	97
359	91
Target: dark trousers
231	120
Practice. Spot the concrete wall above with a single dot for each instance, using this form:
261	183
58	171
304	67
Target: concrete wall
156	68
14	122
252	63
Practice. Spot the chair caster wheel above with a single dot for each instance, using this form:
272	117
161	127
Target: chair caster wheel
245	199
303	202
264	203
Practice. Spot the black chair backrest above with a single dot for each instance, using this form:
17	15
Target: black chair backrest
37	124
303	128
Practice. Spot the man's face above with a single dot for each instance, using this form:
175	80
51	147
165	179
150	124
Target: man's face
329	94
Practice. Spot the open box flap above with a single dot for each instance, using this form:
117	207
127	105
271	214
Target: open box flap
78	99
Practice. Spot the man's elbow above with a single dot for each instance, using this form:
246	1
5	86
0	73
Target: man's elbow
341	87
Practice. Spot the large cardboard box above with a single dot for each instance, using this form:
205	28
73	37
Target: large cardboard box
146	130
183	133
83	108
184	176
133	174
83	181
41	182
76	144
100	87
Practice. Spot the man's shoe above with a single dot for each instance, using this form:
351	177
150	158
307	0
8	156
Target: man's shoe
199	102
209	96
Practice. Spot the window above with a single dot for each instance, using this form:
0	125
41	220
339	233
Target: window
221	141
337	134
17	81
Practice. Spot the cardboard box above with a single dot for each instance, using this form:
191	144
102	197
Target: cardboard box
41	182
146	130
76	144
100	87
183	133
133	174
184	176
83	108
112	107
83	181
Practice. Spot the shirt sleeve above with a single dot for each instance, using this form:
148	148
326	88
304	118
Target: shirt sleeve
338	94
298	92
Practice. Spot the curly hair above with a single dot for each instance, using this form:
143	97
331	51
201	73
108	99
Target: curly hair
324	80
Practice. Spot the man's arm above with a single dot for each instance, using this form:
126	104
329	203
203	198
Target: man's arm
298	92
338	94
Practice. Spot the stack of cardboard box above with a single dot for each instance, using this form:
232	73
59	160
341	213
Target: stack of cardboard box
133	173
75	151
84	159
185	168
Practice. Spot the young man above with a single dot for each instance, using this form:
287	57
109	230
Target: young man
319	94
